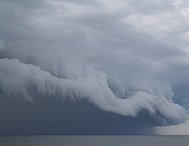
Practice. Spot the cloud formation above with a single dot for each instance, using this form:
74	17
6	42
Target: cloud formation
122	56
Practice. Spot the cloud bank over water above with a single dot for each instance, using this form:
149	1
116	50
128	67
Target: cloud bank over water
122	56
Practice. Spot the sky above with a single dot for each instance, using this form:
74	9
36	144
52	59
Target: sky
94	67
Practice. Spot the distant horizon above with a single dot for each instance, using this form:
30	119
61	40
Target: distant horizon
94	140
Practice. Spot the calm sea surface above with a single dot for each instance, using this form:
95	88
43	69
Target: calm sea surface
94	140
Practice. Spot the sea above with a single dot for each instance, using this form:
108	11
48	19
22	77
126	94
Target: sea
60	140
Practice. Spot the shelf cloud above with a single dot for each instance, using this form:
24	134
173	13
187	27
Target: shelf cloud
123	56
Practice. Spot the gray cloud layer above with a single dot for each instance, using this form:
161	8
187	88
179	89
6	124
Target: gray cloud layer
122	56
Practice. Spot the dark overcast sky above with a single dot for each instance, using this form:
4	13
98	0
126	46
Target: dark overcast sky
93	66
56	117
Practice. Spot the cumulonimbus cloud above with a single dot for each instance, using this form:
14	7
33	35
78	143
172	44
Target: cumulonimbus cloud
97	52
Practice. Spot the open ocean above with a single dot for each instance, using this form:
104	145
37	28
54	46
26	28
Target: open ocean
40	140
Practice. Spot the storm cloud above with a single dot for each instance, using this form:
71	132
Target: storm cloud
122	56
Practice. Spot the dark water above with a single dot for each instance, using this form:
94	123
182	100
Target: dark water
94	140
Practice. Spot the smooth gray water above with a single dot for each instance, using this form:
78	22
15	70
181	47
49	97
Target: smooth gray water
94	140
